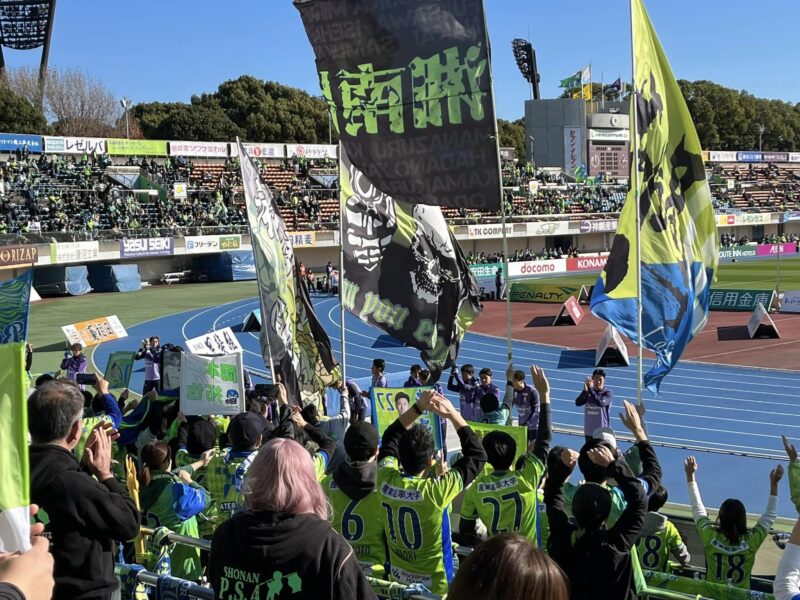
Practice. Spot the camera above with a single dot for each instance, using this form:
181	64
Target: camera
86	379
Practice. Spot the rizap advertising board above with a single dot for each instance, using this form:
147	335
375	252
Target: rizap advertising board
529	291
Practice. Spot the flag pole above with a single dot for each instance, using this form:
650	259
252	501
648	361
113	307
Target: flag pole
502	207
635	197
341	267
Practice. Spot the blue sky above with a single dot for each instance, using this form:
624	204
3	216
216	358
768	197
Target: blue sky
168	50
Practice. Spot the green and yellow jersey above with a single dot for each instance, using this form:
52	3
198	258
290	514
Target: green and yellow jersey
654	549
506	500
416	522
361	523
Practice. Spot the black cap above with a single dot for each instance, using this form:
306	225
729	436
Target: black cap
591	505
361	439
600	372
379	362
245	430
202	436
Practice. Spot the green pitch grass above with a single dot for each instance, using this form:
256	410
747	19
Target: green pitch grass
48	316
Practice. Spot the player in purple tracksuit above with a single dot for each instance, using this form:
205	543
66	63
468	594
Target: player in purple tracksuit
484	387
151	353
596	400
526	400
74	362
465	385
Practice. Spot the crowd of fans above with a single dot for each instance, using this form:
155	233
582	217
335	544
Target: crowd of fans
85	194
490	258
298	504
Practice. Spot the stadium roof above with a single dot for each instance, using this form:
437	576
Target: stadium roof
24	23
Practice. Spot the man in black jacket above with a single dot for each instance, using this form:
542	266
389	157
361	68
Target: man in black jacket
594	558
83	515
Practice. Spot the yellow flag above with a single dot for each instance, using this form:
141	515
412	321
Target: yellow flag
587	92
679	243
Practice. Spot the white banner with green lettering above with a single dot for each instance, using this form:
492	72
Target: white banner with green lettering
212	385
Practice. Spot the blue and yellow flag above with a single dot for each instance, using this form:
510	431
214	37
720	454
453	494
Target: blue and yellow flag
15	296
679	243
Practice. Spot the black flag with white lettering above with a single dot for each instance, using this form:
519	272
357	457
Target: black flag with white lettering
409	89
404	272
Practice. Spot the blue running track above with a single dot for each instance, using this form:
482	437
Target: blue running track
716	412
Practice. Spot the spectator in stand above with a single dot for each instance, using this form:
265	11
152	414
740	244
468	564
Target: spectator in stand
74	362
425	553
169	498
283	545
485	386
498	283
413	377
465	386
729	546
596	399
508	567
526	399
505	500
150	351
660	537
378	378
593	557
86	511
352	491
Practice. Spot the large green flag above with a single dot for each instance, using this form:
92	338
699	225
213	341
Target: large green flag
679	242
14	472
292	338
573	81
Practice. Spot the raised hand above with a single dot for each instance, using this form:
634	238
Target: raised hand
632	420
540	382
791	452
601	456
690	467
569	457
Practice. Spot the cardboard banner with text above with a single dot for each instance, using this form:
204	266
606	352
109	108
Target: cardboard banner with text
390	403
95	331
222	341
212	385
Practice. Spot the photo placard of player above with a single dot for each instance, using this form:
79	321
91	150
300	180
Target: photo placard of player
119	368
390	403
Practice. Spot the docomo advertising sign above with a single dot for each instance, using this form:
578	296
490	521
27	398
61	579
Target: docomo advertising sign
161	246
310	151
773	249
261	150
791	302
218	149
587	263
536	267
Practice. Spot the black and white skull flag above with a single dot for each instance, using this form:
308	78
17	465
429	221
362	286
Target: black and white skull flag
409	89
404	272
292	339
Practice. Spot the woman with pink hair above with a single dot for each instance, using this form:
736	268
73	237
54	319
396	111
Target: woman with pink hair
283	542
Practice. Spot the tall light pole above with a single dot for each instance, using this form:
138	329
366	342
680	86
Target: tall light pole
126	103
761	130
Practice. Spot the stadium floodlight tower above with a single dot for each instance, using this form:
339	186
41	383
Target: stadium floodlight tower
27	25
525	56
